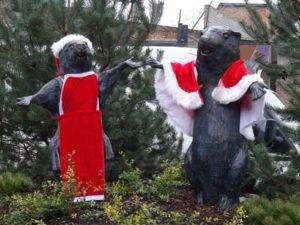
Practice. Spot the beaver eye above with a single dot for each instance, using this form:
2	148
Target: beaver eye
225	35
200	33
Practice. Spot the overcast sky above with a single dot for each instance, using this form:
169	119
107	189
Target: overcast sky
191	10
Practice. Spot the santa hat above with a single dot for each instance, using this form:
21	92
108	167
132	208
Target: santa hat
59	45
179	94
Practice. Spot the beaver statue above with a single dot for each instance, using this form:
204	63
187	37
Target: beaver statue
73	55
214	100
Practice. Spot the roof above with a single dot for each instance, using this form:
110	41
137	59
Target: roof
213	17
239	11
240	5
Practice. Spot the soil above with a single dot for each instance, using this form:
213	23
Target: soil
183	202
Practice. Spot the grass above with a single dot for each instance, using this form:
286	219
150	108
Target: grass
11	183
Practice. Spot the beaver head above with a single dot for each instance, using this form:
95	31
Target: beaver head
76	57
217	49
73	54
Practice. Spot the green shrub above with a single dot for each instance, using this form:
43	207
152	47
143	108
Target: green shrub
29	208
166	183
261	211
132	179
238	218
11	183
273	183
116	211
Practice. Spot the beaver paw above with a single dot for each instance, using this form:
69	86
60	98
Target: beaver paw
24	100
257	90
154	63
132	64
226	202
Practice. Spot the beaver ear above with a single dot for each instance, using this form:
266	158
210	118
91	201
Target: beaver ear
237	35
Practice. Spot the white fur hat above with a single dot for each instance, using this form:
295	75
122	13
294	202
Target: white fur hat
59	45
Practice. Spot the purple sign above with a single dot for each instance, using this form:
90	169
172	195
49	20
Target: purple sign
261	52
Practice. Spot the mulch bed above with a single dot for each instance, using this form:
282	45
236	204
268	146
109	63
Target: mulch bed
183	202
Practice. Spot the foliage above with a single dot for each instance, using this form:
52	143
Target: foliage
125	204
116	213
131	176
11	183
272	180
26	209
117	30
261	211
283	33
239	217
166	183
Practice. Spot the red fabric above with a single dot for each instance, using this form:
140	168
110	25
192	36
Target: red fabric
234	74
59	70
81	135
185	75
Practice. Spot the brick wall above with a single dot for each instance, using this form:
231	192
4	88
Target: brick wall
169	34
239	12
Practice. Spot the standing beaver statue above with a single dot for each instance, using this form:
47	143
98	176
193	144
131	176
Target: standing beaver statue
77	97
216	101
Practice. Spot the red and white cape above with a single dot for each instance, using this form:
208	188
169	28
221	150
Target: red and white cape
179	94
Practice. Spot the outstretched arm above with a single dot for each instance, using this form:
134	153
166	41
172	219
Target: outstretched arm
47	96
109	79
154	63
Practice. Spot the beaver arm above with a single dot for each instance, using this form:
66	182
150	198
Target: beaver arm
256	90
47	96
109	79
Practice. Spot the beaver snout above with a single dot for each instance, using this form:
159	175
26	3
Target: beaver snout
205	48
81	50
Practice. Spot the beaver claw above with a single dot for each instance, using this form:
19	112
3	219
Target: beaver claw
257	90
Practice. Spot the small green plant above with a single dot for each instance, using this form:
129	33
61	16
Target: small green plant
262	211
32	207
132	178
238	218
117	189
11	183
116	212
166	183
141	217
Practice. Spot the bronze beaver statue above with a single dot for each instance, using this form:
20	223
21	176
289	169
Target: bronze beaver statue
211	99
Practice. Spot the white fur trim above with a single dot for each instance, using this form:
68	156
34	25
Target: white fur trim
178	115
187	100
227	95
251	114
59	45
89	198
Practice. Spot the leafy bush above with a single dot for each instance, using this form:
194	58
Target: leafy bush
132	178
11	183
27	209
238	218
166	183
272	181
261	211
116	212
